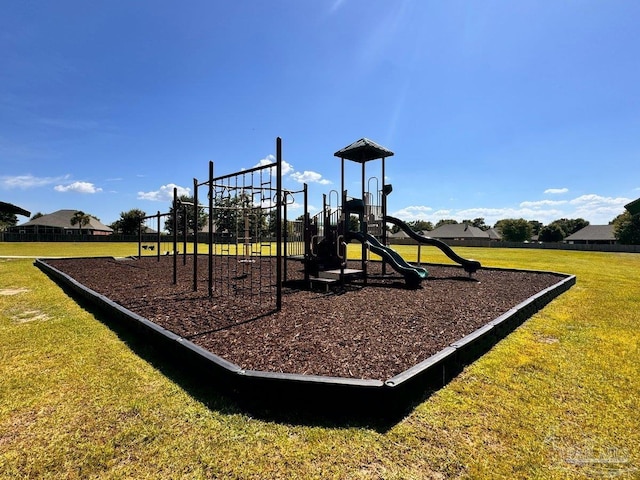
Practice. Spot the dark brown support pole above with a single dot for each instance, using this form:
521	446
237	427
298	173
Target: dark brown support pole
307	237
175	235
211	192
158	238
184	235
195	234
343	196
363	227
285	235
384	222
278	223
140	239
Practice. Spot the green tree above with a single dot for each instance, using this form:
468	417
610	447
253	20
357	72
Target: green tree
551	233
420	225
236	214
627	228
536	226
353	223
514	230
37	215
478	223
185	204
81	219
129	222
570	225
7	220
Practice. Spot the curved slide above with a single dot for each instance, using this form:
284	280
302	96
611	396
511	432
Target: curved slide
413	275
470	266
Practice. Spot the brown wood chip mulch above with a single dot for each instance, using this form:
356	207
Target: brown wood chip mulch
373	332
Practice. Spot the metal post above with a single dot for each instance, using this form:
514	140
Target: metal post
307	237
363	229
140	239
158	237
278	223
211	193
184	235
285	234
384	222
344	198
175	235
195	234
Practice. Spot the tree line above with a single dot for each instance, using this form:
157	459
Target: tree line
626	228
236	215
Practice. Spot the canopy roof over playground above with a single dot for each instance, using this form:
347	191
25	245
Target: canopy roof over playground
11	208
363	150
633	207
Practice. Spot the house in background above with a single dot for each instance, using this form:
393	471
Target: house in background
59	223
593	234
400	234
459	231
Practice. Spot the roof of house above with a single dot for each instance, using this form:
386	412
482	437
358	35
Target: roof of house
593	233
458	230
62	219
494	234
398	234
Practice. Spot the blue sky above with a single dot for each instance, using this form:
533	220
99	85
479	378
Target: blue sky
494	109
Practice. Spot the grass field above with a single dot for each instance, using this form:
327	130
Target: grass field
558	398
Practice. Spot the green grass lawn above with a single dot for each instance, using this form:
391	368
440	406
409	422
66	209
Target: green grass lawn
558	398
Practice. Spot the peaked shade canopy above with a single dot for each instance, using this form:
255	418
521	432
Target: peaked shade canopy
633	207
10	208
363	150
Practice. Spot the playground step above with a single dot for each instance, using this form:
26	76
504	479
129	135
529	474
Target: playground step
326	282
347	272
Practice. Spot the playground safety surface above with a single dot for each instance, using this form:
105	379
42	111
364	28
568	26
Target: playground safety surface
375	331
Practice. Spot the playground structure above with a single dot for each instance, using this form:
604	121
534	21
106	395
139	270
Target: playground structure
248	223
246	211
251	240
363	220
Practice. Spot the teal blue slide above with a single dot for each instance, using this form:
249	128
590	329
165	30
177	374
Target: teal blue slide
412	275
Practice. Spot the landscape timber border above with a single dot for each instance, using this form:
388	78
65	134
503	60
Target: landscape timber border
321	394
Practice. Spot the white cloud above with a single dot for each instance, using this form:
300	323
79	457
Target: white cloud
271	160
309	177
542	203
164	194
414	212
597	200
556	191
29	181
597	209
78	187
287	169
604	209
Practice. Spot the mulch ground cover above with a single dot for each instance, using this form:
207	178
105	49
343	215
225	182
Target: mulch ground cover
371	332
